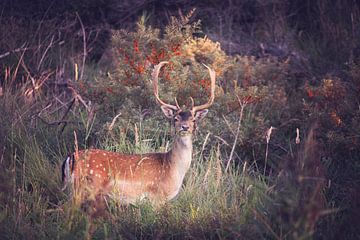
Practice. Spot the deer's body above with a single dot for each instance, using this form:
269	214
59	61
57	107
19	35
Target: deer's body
96	174
128	178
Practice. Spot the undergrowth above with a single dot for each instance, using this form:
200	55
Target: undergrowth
39	209
274	159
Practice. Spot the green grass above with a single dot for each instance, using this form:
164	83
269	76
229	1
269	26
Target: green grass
212	204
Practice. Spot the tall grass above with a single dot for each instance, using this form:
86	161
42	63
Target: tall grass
39	114
209	206
212	203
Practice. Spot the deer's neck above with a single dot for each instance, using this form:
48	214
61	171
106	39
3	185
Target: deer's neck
180	155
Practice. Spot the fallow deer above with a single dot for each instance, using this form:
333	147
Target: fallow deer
96	173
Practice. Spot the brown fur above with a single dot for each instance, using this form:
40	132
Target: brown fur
148	173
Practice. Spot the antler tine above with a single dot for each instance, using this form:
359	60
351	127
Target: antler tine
212	92
192	102
155	78
177	104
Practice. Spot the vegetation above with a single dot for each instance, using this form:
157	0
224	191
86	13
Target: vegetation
276	158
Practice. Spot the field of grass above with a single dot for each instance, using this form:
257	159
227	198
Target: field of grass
213	203
275	158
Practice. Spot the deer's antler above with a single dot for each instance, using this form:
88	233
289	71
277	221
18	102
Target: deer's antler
155	78
194	109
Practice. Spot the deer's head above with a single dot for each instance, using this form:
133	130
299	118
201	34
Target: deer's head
184	121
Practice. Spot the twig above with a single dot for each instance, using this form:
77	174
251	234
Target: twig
45	108
79	98
28	72
55	122
84	46
46	50
68	109
20	49
17	68
228	125
222	140
37	84
242	107
62	105
65	114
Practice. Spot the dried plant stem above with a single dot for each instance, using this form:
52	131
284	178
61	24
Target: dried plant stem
242	107
84	46
268	136
20	49
136	133
266	156
229	126
76	146
78	98
204	144
113	122
45	52
218	166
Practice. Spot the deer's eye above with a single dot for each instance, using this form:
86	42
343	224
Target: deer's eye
176	119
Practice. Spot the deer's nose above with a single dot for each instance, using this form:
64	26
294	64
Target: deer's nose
184	127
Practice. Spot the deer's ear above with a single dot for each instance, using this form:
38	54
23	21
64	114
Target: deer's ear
200	114
168	112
